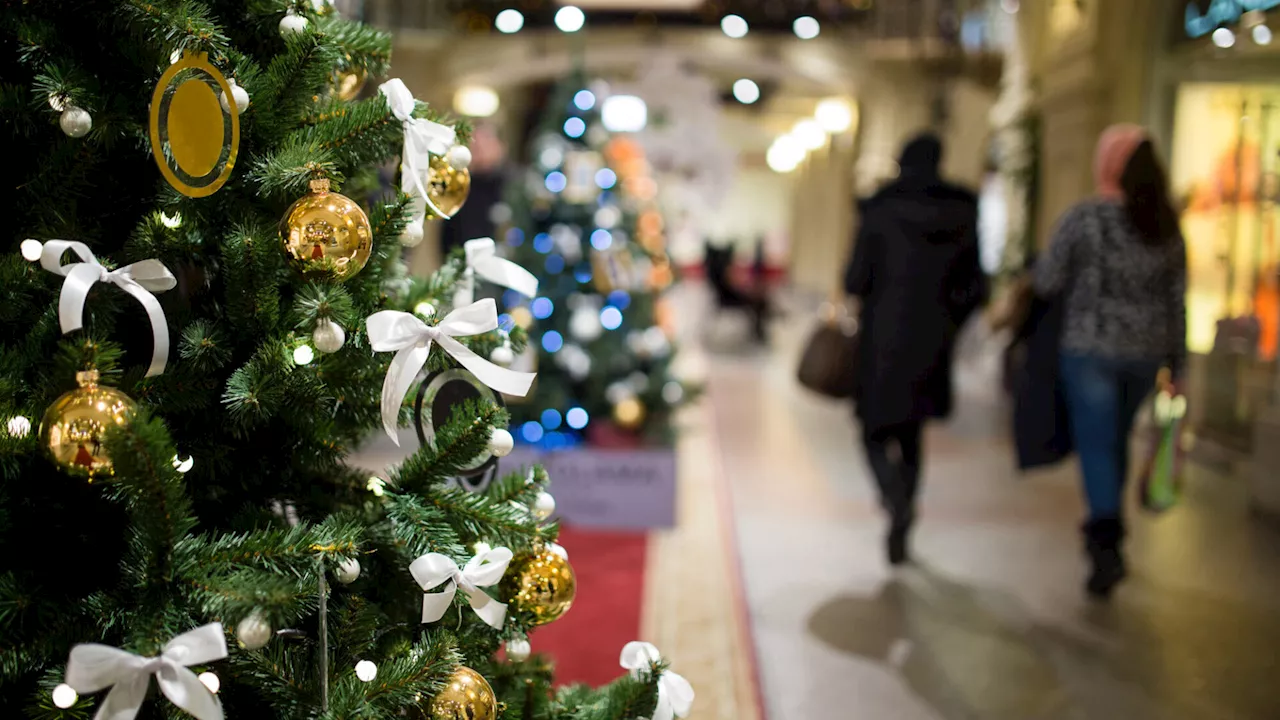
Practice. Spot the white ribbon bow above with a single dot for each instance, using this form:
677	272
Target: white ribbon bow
421	138
93	667
675	694
410	339
139	280
483	570
483	262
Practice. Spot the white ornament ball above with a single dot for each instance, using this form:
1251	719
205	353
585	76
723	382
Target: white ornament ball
502	355
518	650
366	670
76	122
253	632
459	156
328	336
412	235
292	24
239	94
544	505
425	309
501	443
348	571
19	426
64	696
584	324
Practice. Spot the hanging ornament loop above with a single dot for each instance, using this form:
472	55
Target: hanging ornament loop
93	667
410	339
483	570
675	694
483	262
140	280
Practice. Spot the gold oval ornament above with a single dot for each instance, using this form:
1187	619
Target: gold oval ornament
193	139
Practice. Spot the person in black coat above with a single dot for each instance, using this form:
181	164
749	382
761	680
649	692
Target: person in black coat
915	267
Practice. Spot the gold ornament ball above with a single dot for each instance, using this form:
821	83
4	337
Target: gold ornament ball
347	85
326	234
629	413
542	584
74	425
447	188
466	697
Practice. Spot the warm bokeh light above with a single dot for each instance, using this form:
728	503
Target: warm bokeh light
624	113
746	91
509	21
475	101
785	154
570	19
806	27
809	134
834	115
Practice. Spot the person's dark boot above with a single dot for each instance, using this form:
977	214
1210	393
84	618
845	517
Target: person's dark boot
896	541
1103	538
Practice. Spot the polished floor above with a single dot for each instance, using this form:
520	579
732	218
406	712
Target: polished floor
990	623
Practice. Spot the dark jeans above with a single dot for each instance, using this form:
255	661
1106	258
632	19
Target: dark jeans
1103	396
894	455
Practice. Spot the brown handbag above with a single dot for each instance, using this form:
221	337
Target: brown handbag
830	360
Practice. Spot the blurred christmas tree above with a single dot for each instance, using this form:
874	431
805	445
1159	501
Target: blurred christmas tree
585	220
186	514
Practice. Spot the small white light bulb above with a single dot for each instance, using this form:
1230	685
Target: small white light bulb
210	681
570	19
806	27
376	485
64	696
182	464
366	671
1224	37
481	547
1262	35
19	426
31	250
303	354
171	221
735	26
746	91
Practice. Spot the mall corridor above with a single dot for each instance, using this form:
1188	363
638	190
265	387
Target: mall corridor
990	623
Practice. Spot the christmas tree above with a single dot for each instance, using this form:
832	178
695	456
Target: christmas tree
586	221
182	527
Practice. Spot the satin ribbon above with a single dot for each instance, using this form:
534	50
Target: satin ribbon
139	280
483	262
93	667
410	339
675	694
421	138
483	570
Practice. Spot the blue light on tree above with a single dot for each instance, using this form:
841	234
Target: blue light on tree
601	239
506	322
550	419
574	127
582	273
531	432
515	237
552	340
576	418
543	243
606	178
556	181
511	298
620	299
610	318
554	264
584	99
542	308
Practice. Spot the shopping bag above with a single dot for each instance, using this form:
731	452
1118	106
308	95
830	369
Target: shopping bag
829	363
1161	479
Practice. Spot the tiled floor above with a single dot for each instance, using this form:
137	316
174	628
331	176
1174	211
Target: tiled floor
991	623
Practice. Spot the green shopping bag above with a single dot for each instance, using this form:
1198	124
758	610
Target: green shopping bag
1161	484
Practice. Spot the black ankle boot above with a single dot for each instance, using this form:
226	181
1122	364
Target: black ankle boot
1102	543
896	541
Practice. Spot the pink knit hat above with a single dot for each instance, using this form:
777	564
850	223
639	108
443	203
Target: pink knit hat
1115	147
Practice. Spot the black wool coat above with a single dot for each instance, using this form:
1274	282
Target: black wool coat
915	267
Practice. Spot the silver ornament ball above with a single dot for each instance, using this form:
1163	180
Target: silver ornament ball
501	443
328	336
239	94
544	505
292	24
253	632
459	156
348	571
518	650
75	122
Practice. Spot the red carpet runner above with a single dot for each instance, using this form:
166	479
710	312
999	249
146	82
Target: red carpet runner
586	642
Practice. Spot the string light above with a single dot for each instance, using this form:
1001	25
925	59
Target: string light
746	91
584	99
210	681
171	221
183	465
570	19
509	21
376	485
366	671
31	250
576	418
1224	37
806	27
734	26
303	354
574	127
834	115
64	696
19	426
